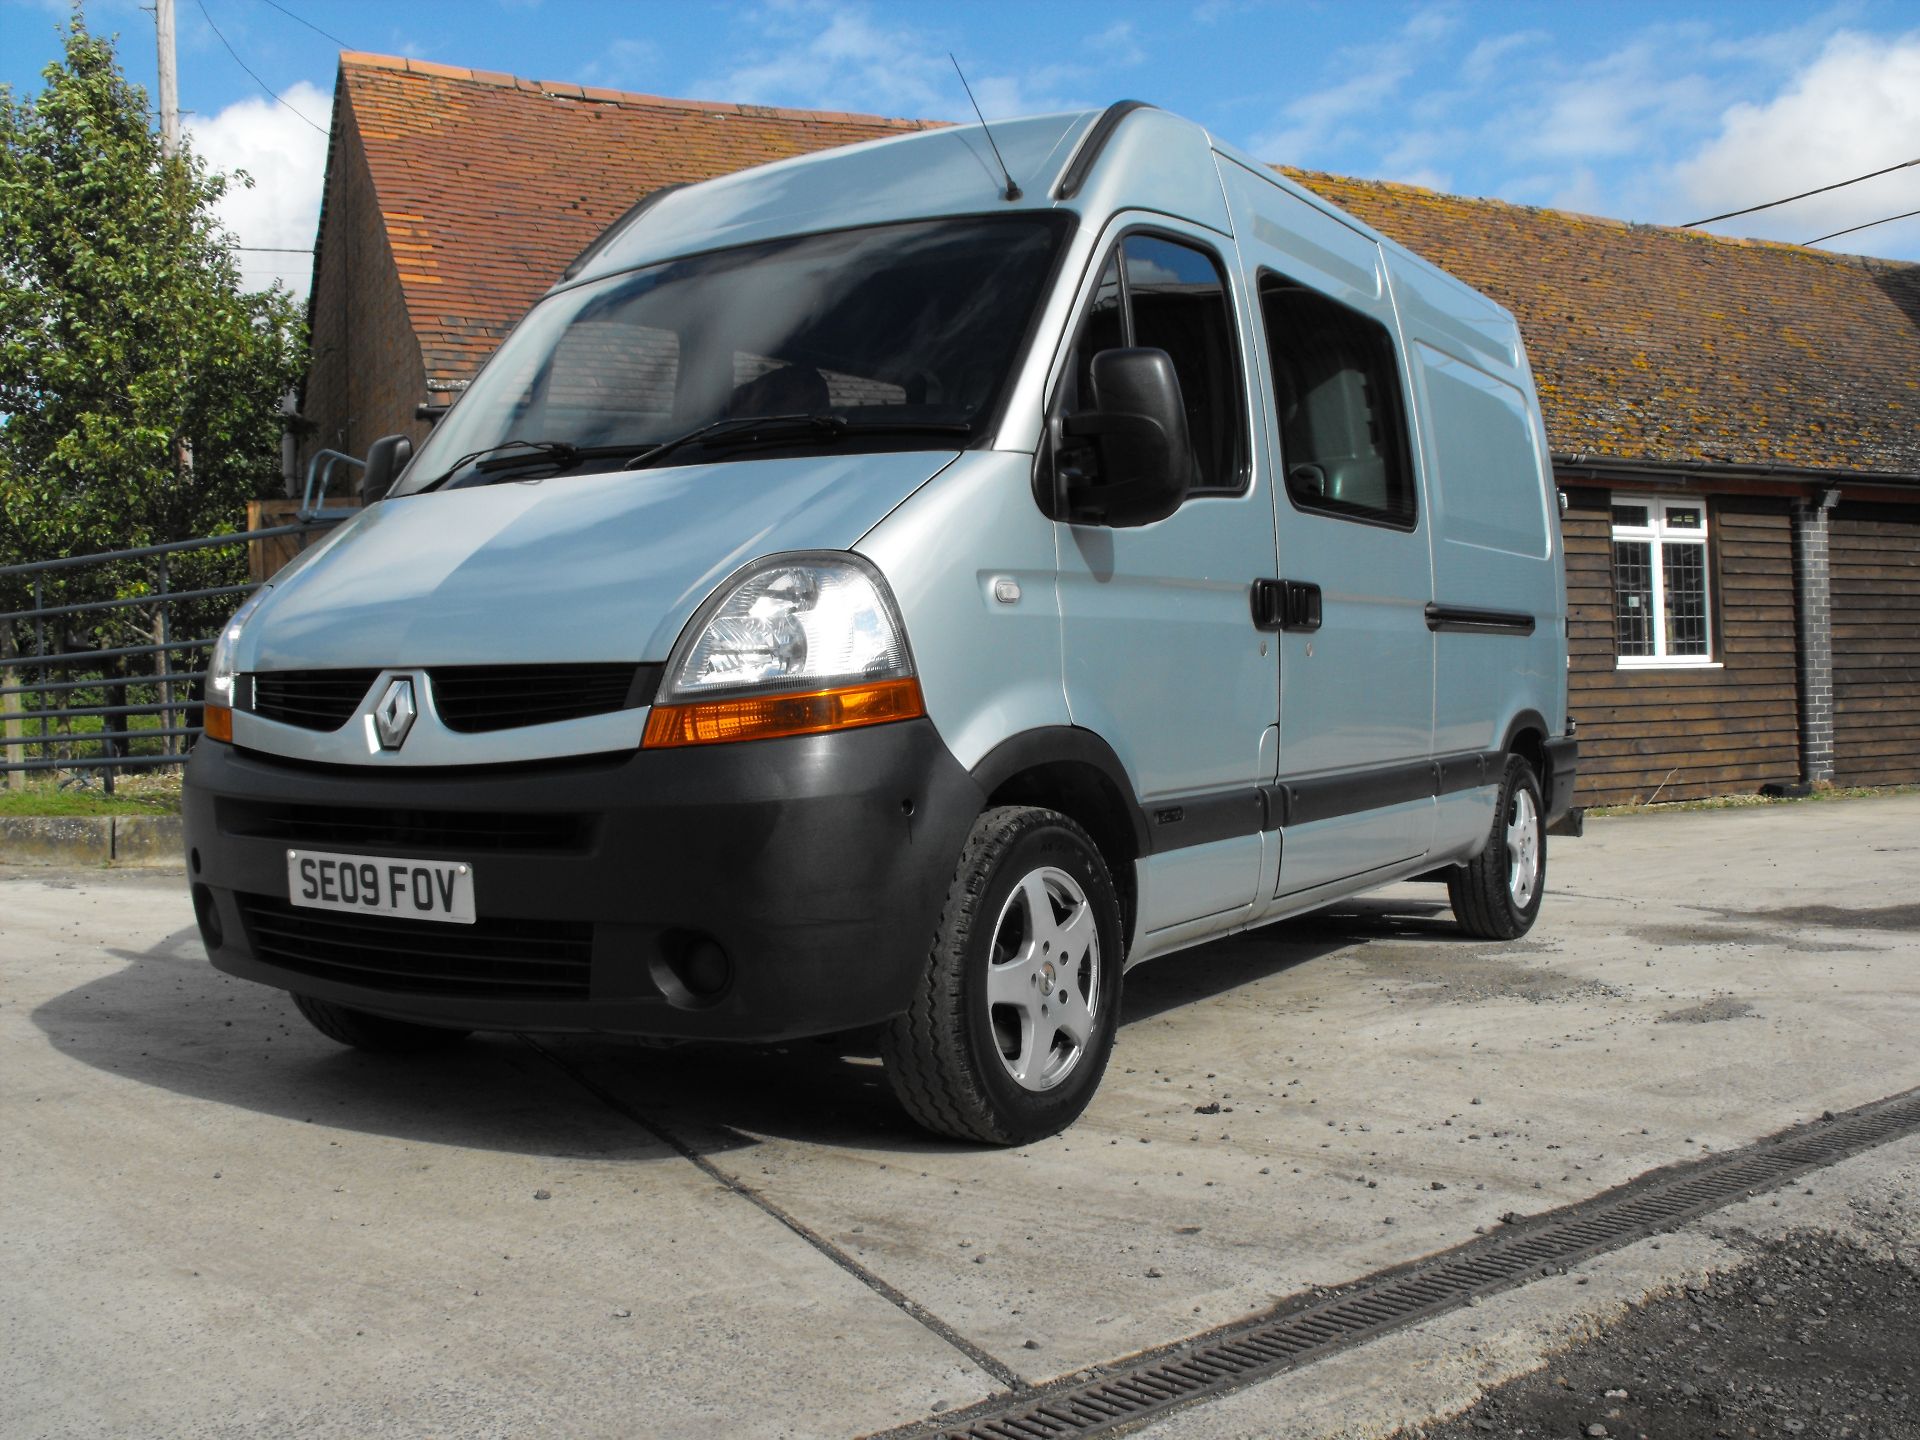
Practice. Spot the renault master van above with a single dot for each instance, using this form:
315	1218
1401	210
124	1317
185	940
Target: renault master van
885	591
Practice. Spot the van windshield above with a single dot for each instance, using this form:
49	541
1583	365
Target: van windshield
905	335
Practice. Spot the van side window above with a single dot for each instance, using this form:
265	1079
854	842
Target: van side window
1169	296
1343	433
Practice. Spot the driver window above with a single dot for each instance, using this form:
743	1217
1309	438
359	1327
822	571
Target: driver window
1159	293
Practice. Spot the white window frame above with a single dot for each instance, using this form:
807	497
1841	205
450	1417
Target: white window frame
1657	534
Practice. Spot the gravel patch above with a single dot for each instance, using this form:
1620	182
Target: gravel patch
1816	1338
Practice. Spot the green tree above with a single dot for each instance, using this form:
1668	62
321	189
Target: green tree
138	378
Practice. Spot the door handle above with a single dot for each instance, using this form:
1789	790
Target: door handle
1286	605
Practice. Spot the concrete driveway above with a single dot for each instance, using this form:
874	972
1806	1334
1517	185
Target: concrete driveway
213	1221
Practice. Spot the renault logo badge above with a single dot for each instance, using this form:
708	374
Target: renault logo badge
393	716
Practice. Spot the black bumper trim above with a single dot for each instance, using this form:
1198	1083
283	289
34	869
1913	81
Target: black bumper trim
818	864
1563	769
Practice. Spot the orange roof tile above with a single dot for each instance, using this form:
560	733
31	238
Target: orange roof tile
1656	344
490	184
1648	343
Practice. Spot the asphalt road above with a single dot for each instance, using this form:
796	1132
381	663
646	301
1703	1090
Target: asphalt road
215	1222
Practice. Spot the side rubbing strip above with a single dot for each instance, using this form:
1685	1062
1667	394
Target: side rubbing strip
1465	619
1174	824
1088	155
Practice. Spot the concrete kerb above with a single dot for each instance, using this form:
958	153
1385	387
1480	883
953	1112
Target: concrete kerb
146	841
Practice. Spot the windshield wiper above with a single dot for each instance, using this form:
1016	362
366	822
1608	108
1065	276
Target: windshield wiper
779	429
562	454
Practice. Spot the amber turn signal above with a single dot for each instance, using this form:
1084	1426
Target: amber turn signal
765	717
219	723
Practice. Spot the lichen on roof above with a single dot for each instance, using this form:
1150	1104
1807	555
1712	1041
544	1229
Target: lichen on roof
1741	352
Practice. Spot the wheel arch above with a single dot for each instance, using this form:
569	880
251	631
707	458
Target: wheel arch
1527	738
1074	771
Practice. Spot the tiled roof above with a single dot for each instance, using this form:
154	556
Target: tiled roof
1648	344
490	185
1657	344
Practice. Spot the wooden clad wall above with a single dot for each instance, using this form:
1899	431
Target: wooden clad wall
1687	734
1874	556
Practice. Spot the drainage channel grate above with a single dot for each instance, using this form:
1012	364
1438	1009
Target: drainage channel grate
1210	1365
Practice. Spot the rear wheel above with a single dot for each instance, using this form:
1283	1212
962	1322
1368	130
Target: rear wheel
1496	895
365	1031
1010	1029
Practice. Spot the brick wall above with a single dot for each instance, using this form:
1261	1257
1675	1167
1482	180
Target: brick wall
1814	637
365	372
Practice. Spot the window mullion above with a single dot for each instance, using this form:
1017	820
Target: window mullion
1657	553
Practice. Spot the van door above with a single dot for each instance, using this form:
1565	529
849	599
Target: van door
1161	655
1356	656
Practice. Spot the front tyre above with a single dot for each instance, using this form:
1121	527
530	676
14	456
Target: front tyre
373	1032
1496	895
1011	1026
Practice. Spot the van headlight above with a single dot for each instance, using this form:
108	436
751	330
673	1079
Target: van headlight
793	645
220	669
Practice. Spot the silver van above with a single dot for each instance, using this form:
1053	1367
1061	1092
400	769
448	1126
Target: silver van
899	590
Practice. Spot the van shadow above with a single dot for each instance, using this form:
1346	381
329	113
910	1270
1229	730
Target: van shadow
170	1020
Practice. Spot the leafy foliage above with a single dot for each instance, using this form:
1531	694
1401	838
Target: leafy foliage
138	379
139	389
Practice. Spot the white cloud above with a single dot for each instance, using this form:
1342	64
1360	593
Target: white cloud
834	56
1315	125
1618	105
286	159
1854	109
624	64
1497	55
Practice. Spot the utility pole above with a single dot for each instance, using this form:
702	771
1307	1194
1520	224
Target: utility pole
169	80
182	446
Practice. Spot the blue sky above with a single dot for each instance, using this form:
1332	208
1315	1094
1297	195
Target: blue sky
1653	112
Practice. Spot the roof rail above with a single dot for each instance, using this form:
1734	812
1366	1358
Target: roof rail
1088	154
634	211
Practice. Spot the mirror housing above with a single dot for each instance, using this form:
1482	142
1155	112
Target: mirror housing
1139	432
386	458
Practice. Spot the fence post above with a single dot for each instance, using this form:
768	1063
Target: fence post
40	649
11	707
163	632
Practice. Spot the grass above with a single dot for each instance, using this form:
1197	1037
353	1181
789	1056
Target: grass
1748	802
133	795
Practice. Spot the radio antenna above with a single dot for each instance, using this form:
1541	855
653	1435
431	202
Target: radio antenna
1013	190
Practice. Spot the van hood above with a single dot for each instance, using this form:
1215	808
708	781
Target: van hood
571	568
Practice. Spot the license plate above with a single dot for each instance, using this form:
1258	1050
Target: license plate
381	885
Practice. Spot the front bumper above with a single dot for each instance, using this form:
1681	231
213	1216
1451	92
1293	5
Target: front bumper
817	864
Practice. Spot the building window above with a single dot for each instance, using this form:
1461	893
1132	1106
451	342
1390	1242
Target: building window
1661	608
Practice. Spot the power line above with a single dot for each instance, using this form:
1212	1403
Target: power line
1868	226
276	249
309	24
1838	184
249	69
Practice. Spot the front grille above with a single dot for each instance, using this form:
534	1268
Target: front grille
407	831
311	699
510	959
475	698
471	699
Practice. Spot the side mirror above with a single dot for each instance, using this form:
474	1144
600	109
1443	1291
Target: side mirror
386	458
1139	433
